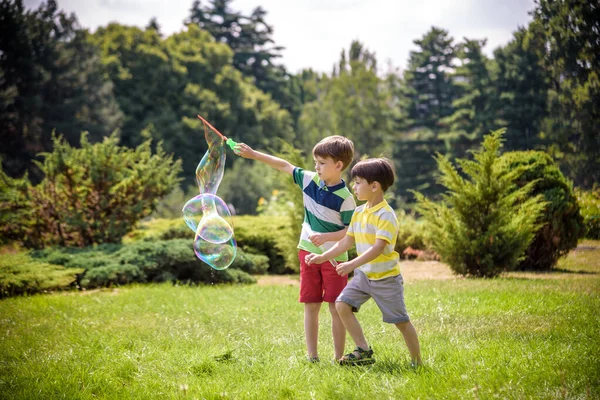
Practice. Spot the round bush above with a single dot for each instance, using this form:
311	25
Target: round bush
561	222
590	209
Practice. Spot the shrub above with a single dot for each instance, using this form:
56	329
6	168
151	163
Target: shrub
561	223
94	194
257	235
411	234
145	261
484	225
20	274
589	203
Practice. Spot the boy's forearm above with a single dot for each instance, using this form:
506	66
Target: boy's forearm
336	236
339	248
274	162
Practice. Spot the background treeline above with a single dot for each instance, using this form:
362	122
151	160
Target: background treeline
57	76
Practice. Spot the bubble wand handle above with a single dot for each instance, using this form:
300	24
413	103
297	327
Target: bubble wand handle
230	142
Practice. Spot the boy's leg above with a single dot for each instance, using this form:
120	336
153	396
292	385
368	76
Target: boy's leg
388	293
352	325
411	339
333	284
338	330
311	328
311	294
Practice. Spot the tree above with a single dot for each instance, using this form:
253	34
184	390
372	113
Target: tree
521	90
472	116
570	31
430	87
483	226
50	78
94	194
355	104
254	50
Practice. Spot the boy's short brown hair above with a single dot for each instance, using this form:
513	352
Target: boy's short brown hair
375	170
336	147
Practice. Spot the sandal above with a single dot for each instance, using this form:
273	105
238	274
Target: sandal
358	357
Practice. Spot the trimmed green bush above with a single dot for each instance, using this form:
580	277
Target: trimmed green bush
484	225
589	203
257	235
20	274
149	261
561	222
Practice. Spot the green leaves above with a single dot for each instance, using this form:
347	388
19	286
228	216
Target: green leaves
94	194
484	223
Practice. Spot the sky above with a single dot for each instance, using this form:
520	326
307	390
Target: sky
314	32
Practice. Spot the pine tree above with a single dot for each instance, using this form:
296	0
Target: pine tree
483	226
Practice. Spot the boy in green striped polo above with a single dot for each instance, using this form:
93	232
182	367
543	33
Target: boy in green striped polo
328	209
374	229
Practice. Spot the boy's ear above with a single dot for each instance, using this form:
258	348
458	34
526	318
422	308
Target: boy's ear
375	185
339	165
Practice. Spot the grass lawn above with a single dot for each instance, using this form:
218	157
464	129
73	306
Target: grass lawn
518	336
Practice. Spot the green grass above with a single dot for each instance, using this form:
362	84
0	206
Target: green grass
511	337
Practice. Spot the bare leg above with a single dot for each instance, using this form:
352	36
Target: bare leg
411	339
338	331
351	323
311	327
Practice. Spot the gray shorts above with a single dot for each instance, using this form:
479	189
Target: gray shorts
388	293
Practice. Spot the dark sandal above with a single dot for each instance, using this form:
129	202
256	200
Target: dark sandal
364	357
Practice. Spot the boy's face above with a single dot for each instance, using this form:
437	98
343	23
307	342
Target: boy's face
362	189
327	168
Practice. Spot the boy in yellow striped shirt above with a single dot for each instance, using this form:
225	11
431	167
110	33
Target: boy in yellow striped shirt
374	229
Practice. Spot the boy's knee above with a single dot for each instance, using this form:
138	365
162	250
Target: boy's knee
403	326
342	307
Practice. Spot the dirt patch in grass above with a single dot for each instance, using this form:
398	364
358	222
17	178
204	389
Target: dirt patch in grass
411	271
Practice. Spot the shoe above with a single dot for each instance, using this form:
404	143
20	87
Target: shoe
358	357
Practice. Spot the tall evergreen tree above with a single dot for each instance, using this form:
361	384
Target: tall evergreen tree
521	90
428	79
570	30
254	50
50	78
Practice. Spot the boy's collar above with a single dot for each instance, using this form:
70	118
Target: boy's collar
376	207
332	188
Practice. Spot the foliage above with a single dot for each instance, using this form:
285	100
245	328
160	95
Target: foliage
257	235
145	261
570	38
51	77
353	103
94	194
589	203
411	234
20	274
161	84
484	225
245	183
561	223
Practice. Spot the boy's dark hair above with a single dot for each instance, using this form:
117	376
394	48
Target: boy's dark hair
336	147
375	170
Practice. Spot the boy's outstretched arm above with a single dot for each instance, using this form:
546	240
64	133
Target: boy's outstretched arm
245	151
372	253
339	248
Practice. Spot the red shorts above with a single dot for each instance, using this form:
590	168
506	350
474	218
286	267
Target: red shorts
319	282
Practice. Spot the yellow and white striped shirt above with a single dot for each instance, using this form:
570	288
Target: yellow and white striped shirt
369	224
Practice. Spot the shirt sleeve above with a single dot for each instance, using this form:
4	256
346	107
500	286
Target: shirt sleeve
298	176
350	231
387	227
347	210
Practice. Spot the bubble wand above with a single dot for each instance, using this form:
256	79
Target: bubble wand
230	142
